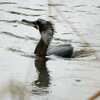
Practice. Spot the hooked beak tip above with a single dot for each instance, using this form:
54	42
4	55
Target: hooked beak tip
30	23
23	20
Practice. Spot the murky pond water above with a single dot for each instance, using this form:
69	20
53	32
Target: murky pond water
23	77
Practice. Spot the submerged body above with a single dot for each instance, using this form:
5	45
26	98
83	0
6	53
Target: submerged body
46	30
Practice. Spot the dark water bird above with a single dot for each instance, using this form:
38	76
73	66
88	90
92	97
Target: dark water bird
46	30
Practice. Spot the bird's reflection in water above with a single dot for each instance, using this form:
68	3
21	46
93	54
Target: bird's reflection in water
43	81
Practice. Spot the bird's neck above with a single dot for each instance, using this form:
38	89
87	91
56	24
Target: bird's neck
41	48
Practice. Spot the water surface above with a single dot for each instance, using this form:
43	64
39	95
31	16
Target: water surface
23	77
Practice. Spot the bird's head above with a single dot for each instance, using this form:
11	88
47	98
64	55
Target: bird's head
45	28
40	24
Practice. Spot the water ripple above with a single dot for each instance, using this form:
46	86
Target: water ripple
53	17
21	53
19	37
20	13
62	40
68	11
10	21
55	4
2	3
33	9
86	12
81	5
15	50
13	35
98	6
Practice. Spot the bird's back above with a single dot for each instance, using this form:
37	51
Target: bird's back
62	50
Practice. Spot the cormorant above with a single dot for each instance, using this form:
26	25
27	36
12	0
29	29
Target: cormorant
46	30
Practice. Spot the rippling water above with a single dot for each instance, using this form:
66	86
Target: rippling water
22	77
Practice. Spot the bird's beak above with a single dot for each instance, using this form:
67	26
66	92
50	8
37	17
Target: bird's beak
30	23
